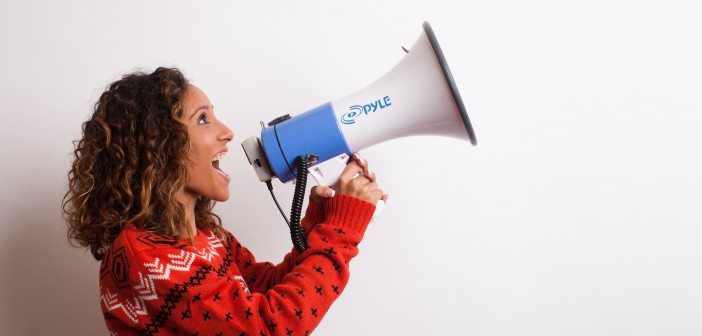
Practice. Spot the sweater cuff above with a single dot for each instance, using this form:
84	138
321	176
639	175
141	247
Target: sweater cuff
314	213
348	212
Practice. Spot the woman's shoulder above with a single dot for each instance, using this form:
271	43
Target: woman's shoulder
135	241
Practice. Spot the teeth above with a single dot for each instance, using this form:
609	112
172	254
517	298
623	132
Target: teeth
219	156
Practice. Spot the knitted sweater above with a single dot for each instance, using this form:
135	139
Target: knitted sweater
157	285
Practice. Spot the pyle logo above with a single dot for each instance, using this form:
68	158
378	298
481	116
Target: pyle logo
356	111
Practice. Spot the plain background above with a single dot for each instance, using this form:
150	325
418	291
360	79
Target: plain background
578	213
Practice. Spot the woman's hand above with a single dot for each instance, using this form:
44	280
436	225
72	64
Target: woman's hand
356	180
319	193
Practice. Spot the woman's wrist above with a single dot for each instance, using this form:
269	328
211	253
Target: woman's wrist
348	212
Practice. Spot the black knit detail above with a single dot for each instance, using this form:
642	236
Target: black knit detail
227	261
153	240
115	265
173	297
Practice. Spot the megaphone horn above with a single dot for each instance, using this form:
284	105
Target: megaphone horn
416	97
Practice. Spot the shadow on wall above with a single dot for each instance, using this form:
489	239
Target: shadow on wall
47	287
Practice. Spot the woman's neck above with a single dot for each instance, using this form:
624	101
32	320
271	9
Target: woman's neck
190	229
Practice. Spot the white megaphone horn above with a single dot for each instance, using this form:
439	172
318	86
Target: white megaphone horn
416	97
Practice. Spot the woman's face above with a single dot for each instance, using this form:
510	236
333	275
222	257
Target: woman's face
208	145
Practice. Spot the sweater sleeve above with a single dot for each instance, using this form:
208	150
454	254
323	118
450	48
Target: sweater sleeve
213	300
261	276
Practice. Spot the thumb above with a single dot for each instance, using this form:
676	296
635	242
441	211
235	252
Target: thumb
319	193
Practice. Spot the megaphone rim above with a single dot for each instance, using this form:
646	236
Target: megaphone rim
450	81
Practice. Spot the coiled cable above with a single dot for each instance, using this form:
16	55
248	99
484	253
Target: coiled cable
297	234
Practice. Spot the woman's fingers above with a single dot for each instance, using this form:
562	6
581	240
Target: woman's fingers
353	171
358	166
370	175
319	193
358	181
363	163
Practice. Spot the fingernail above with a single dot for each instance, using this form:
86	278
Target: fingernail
356	156
329	193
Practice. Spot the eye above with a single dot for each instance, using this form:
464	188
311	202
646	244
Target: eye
202	119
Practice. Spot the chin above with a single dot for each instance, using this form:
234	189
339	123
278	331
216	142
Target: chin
222	197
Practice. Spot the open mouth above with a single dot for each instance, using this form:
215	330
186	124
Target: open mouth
215	162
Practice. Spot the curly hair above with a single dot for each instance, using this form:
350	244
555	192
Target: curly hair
131	164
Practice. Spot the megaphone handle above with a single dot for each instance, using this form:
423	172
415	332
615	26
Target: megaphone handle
326	173
378	210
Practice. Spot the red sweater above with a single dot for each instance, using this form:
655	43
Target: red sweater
157	285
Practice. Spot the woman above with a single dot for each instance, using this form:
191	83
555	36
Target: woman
141	191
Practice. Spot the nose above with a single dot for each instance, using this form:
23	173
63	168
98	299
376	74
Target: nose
226	134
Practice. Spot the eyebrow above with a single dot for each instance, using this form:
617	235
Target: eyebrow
198	109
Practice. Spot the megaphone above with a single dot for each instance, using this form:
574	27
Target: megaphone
416	97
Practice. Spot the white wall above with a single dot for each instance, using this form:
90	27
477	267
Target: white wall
578	213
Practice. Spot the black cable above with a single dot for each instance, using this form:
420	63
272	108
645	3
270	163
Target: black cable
297	234
270	188
299	239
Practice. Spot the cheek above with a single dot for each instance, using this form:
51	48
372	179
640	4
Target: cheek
197	154
197	167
